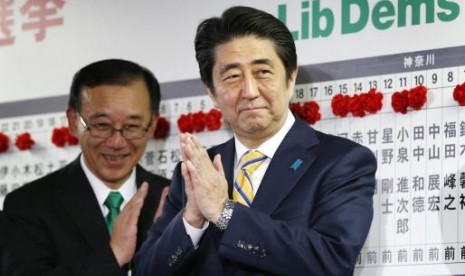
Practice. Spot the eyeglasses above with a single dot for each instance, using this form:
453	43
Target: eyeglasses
103	130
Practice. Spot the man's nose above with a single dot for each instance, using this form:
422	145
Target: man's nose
116	139
250	88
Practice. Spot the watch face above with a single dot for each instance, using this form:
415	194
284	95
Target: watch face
225	215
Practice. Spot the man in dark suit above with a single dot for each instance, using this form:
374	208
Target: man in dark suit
63	223
280	198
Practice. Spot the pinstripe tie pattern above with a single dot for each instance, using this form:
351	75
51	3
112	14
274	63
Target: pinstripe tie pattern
243	189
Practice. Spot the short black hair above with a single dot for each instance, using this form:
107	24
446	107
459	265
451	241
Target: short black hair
238	22
113	72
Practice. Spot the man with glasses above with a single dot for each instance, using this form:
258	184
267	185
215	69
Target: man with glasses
90	217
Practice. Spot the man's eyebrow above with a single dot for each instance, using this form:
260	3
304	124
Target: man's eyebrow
228	67
136	117
99	115
265	61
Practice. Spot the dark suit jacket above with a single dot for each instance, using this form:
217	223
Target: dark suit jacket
310	219
54	225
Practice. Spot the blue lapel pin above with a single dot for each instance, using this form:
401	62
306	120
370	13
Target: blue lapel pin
296	164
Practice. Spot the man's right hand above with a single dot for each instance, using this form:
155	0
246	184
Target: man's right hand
191	213
124	237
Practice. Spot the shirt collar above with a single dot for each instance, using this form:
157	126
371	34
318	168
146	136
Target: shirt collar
101	191
270	146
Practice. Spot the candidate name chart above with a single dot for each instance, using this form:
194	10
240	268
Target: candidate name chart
419	200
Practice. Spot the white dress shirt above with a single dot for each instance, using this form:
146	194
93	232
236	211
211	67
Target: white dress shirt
101	191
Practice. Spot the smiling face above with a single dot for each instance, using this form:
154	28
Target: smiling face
112	159
251	88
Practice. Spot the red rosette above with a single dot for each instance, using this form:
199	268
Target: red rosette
215	113
24	141
58	137
340	105
198	122
297	109
372	101
162	130
417	97
311	111
185	123
62	136
4	142
213	120
459	94
399	101
356	106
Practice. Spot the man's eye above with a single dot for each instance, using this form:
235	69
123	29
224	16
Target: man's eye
102	126
132	127
264	73
231	78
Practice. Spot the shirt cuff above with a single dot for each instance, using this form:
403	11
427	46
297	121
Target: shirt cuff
194	233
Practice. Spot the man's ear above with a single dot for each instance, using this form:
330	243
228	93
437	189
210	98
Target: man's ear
73	126
153	125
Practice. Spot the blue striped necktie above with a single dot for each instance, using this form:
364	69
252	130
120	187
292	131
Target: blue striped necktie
243	189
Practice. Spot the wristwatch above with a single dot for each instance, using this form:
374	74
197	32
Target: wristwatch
226	214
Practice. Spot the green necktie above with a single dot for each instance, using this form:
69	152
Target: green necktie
113	202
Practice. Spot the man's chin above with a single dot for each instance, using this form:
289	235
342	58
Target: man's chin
114	179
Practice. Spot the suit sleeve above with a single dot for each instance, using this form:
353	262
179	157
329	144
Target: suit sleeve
168	249
28	247
325	242
324	239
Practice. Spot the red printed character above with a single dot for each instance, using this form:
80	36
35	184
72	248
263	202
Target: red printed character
6	21
42	14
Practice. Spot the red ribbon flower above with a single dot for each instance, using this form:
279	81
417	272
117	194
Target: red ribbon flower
162	130
309	111
399	101
185	123
297	109
197	122
4	142
459	94
417	97
24	141
62	136
356	106
340	105
213	119
372	101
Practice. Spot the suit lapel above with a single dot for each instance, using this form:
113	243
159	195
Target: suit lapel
80	203
290	162
147	214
